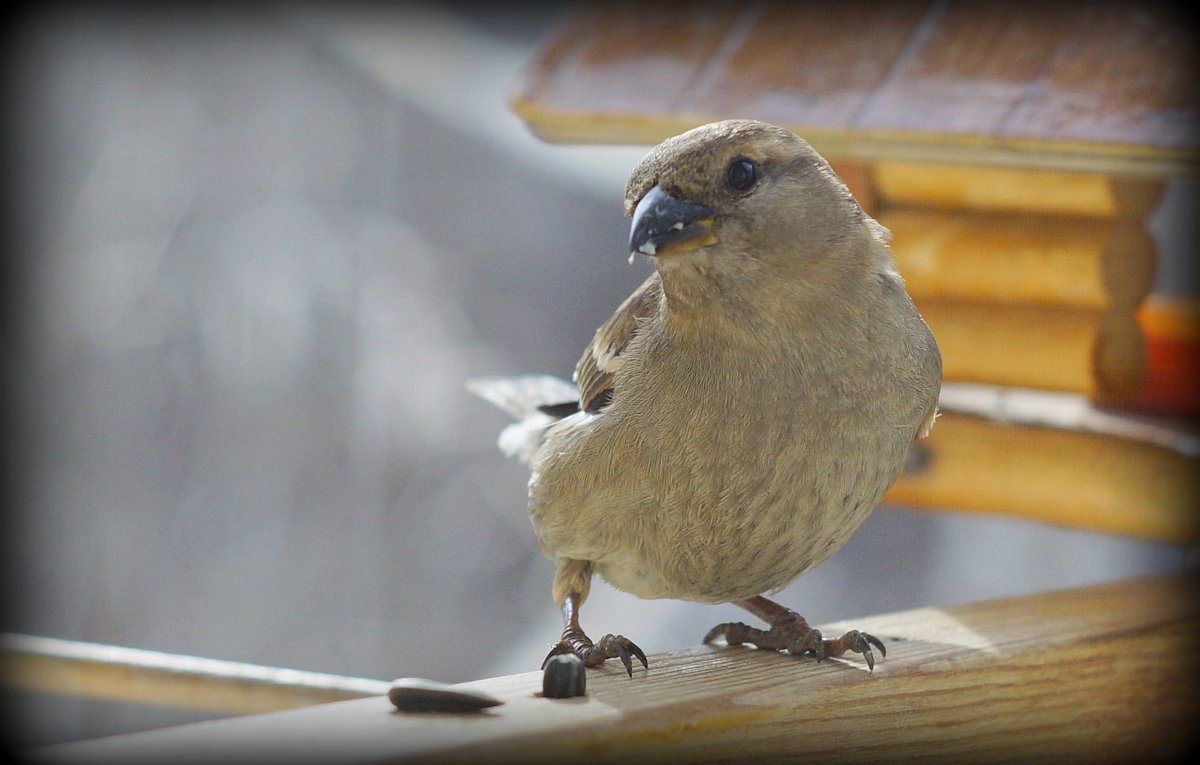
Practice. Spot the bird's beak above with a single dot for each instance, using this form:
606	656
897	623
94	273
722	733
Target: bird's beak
664	225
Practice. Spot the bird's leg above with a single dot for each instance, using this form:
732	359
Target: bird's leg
789	631
573	639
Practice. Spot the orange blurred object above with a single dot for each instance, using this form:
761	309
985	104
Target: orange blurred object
1172	330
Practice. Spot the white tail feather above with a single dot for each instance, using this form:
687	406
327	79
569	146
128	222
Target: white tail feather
521	397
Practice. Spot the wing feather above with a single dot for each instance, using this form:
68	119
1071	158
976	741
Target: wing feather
597	367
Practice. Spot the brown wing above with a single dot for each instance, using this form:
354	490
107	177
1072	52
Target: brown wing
595	370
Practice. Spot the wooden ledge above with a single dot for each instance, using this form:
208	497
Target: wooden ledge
1103	673
1076	87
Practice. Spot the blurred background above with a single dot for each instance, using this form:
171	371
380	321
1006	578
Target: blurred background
258	252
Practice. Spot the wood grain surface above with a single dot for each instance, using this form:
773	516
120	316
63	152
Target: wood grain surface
1098	87
1099	353
1100	674
1021	258
1066	477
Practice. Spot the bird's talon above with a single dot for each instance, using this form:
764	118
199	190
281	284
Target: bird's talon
623	655
640	654
871	639
621	647
862	642
790	632
595	654
866	641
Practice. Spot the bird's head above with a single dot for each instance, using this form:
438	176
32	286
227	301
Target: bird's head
739	190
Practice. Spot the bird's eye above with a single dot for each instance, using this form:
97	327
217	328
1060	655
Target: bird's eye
742	174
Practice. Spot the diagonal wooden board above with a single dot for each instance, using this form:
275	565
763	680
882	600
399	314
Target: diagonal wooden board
1102	673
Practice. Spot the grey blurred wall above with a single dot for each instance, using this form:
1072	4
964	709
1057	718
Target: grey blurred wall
257	259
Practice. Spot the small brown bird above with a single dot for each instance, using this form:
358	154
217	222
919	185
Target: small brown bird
744	410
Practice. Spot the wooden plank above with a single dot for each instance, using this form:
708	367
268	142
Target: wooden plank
970	67
1100	354
1088	480
77	668
1121	73
964	83
617	57
1021	258
1046	192
1102	674
778	69
583	126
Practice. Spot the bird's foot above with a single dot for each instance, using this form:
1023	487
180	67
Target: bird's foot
792	633
595	654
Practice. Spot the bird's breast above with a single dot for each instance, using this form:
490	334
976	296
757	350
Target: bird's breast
723	470
744	477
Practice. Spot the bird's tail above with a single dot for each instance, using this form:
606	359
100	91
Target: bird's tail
534	401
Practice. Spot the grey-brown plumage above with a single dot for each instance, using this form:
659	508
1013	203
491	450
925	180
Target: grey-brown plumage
742	413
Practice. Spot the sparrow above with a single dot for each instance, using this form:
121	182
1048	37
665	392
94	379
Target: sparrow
741	414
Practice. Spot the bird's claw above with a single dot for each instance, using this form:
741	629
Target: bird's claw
854	640
861	642
619	647
593	655
797	638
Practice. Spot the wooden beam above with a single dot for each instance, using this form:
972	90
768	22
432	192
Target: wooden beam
1099	674
77	668
1070	87
1067	476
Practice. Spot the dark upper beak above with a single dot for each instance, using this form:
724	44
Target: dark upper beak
662	222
